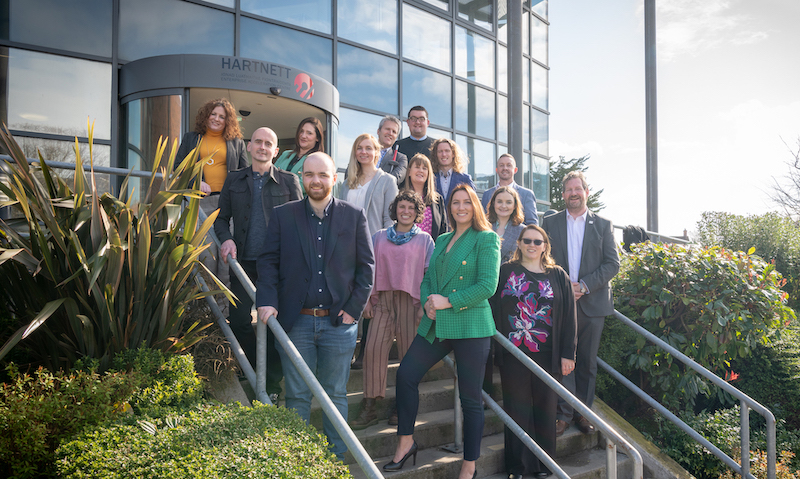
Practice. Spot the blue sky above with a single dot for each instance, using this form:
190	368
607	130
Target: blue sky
728	98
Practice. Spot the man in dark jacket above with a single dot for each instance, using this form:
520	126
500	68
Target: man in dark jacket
248	197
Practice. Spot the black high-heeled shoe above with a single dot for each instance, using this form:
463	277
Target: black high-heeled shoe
396	466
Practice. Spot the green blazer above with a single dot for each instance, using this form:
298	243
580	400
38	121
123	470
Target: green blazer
469	279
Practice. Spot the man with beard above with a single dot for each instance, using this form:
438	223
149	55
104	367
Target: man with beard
248	197
506	168
583	244
315	276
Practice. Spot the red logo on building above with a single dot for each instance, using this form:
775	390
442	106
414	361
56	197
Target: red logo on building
304	86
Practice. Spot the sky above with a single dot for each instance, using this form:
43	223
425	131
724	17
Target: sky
728	103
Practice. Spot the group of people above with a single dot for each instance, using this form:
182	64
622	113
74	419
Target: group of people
410	248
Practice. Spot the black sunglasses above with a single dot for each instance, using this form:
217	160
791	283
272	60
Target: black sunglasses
537	242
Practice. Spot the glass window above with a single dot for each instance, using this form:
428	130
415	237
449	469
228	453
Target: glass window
474	57
539	85
83	26
443	4
474	110
478	12
481	159
426	38
526	33
311	14
541	132
437	133
163	27
502	21
301	50
224	3
502	68
367	79
526	80
429	89
502	118
370	22
538	178
539	40
56	94
539	7
351	124
526	128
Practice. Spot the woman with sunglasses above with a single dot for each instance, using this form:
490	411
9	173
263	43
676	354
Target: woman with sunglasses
535	309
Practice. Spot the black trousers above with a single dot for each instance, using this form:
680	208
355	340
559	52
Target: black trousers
240	320
471	361
532	405
582	382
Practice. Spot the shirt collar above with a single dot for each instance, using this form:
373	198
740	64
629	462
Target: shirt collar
418	139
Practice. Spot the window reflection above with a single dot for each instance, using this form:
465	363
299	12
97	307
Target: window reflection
55	94
481	161
443	4
526	80
478	12
77	26
301	50
526	128
311	14
540	179
539	40
163	27
541	132
526	33
367	79
370	22
502	68
539	7
429	89
437	133
351	124
539	85
502	21
474	57
502	118
474	110
426	38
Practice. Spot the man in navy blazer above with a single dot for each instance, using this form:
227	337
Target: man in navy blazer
506	168
448	167
315	276
583	244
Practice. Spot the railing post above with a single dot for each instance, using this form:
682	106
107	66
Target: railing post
744	431
261	358
611	459
458	417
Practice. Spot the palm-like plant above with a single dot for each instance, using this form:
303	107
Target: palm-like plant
93	275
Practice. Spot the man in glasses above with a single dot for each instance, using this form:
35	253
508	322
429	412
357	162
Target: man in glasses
418	140
583	244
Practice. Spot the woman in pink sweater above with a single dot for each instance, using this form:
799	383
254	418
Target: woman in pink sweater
402	252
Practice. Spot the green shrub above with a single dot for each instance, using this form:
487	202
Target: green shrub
220	442
96	275
40	410
774	237
171	382
712	304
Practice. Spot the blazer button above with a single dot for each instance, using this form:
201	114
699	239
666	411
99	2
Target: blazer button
464	262
460	277
454	291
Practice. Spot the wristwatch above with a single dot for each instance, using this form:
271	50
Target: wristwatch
583	289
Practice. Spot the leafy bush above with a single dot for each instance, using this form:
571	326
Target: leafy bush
171	382
220	442
97	275
774	237
40	410
712	304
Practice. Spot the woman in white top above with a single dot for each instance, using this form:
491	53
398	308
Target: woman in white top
368	187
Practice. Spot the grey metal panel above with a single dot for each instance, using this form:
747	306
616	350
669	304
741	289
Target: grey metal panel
227	72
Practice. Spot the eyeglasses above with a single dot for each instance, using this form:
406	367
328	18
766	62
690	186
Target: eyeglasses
417	119
537	242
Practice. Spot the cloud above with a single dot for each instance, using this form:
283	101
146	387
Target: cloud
689	27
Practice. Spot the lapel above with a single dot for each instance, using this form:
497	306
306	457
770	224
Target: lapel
333	231
559	238
303	231
589	236
458	253
372	185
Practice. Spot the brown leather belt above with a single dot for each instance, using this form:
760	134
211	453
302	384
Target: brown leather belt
316	312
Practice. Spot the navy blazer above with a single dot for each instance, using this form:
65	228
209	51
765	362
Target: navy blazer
284	266
599	259
457	179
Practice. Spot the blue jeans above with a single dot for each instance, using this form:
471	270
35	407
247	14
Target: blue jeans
327	350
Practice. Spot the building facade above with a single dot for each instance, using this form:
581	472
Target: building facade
140	69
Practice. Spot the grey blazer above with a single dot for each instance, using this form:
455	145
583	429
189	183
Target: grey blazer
509	242
380	193
599	259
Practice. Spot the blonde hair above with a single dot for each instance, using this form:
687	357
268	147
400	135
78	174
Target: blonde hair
547	261
459	161
354	169
479	221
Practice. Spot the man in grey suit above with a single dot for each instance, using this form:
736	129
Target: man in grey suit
391	160
583	244
506	168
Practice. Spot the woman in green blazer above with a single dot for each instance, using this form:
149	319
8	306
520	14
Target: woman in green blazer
461	277
308	139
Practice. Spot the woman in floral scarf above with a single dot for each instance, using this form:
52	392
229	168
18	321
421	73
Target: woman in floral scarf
535	309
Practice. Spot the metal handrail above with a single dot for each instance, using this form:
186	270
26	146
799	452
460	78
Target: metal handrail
746	403
660	238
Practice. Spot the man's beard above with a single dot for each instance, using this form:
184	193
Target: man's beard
319	195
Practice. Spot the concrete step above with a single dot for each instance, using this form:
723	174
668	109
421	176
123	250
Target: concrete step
435	463
356	382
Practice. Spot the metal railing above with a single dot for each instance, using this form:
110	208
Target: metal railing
612	436
658	237
746	403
